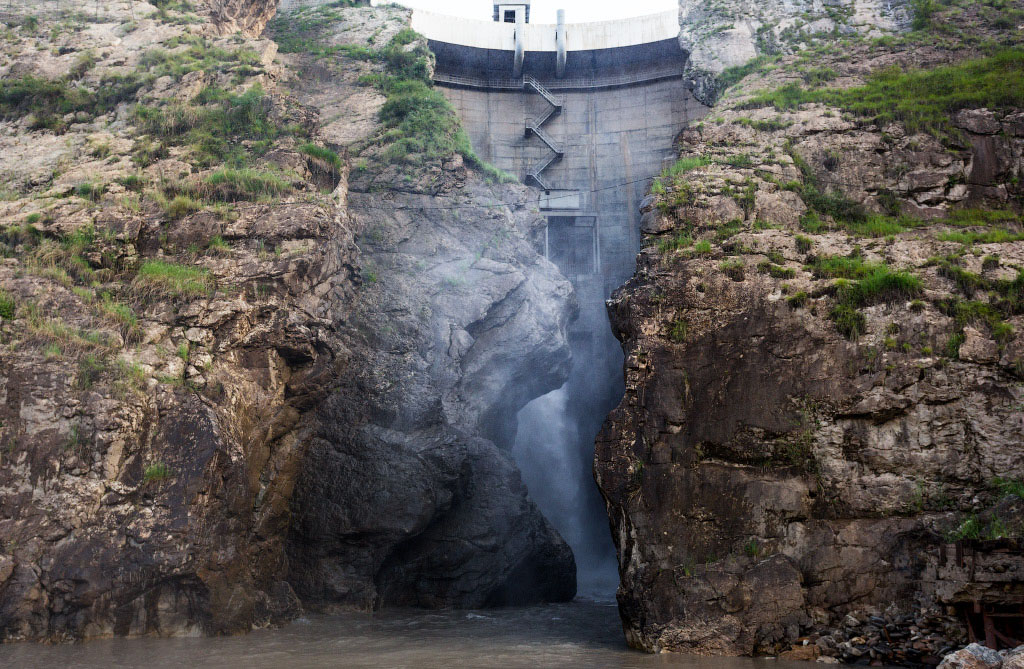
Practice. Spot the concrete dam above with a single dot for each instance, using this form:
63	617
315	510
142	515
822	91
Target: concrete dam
587	114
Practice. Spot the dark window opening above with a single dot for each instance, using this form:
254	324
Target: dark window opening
510	16
571	244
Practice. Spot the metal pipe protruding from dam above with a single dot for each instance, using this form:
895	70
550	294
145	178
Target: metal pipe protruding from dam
520	53
560	45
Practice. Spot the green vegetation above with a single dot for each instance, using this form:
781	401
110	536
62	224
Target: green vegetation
682	166
998	236
728	229
200	56
953	345
860	284
850	322
976	528
1009	487
218	246
734	269
922	100
881	285
8	307
420	125
679	330
798	299
804	244
157	471
229	185
776	272
768	125
221	128
50	100
731	76
304	31
173	280
681	240
321	154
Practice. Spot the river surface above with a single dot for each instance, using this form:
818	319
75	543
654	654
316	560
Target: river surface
580	634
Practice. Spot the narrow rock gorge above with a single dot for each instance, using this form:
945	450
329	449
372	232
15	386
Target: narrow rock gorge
267	320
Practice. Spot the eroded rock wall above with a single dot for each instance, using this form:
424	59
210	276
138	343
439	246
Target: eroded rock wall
405	498
769	472
198	358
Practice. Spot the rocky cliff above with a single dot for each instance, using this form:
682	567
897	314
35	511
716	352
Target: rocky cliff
824	345
254	357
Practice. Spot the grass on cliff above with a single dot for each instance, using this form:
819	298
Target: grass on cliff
321	154
220	128
50	100
860	284
420	125
304	30
173	280
922	100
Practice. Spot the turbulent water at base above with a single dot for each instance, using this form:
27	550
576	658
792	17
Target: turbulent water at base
580	634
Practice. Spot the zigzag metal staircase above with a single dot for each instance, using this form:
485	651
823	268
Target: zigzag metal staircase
535	126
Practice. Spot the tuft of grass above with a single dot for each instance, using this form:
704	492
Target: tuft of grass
1009	487
155	472
775	271
702	248
798	299
179	206
322	154
173	280
681	241
804	244
734	269
8	307
218	246
220	128
998	236
881	285
679	330
953	345
862	284
122	314
230	185
731	76
850	322
90	368
683	165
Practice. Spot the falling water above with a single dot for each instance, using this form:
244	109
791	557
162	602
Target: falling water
554	449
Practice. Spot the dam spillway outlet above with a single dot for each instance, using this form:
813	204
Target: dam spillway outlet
587	114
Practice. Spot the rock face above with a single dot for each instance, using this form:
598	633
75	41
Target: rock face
731	33
214	402
405	499
976	656
765	473
248	17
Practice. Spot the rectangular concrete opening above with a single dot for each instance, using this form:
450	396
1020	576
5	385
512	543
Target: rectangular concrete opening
572	244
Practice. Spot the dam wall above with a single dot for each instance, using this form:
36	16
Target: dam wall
590	141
